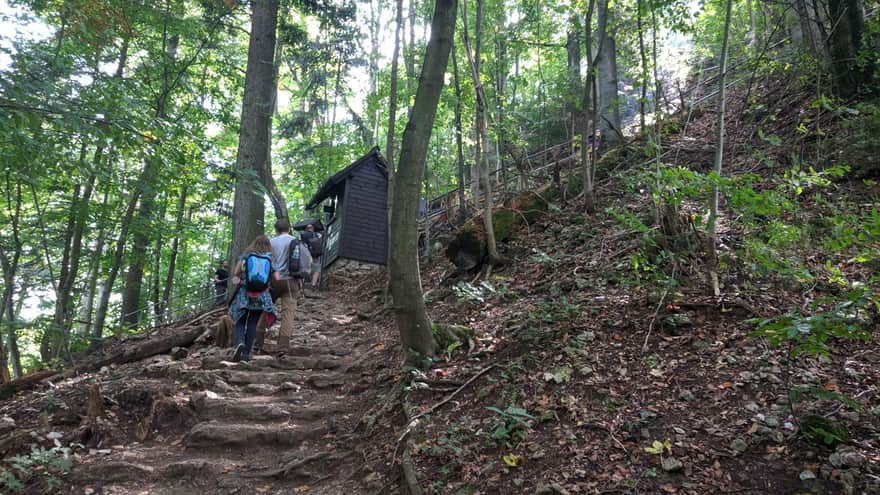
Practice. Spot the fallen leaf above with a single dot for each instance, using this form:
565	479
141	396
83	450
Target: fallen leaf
513	460
726	385
831	387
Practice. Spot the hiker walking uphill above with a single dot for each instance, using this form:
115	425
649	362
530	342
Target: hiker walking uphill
316	249
221	279
252	301
286	289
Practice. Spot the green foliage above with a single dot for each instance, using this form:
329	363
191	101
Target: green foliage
40	466
810	334
819	430
556	310
470	294
512	427
798	393
796	180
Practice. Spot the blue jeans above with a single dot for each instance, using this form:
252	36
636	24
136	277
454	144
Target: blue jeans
246	330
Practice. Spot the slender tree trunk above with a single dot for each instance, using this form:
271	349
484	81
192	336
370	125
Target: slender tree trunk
104	303
644	69
175	244
609	106
482	134
389	135
143	226
279	204
719	155
157	262
392	96
848	26
573	50
10	269
588	151
51	341
409	305
459	145
658	113
375	28
256	115
87	302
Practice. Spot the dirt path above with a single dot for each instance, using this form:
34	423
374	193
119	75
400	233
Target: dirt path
279	424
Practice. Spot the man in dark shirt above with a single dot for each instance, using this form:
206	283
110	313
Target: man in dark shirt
308	234
221	277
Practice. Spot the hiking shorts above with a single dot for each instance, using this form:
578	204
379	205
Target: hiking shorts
316	265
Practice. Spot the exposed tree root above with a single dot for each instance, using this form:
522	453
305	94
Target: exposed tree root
285	469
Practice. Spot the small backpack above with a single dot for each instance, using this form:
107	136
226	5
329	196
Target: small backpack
316	247
257	268
299	261
314	242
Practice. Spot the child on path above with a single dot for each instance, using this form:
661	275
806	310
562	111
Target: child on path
249	305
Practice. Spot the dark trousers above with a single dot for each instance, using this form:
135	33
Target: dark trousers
221	293
246	329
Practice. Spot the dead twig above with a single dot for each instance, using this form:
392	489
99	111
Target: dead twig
656	312
287	467
453	394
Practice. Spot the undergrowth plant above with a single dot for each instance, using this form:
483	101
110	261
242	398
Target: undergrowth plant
512	427
39	467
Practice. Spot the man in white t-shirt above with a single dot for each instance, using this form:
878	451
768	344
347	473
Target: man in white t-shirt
285	290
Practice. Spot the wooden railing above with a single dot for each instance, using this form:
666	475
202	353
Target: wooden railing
531	171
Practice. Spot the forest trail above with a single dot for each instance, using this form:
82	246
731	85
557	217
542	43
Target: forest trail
282	423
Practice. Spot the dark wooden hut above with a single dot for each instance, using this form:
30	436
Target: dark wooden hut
355	211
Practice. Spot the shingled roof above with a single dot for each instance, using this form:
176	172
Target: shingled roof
330	184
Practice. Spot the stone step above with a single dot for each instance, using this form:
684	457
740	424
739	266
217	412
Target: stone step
217	434
208	404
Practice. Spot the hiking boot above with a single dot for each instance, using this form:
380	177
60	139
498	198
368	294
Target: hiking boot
246	358
237	353
283	343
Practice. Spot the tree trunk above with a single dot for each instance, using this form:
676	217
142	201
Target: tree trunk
104	303
375	28
406	287
143	226
392	95
719	155
256	116
808	32
459	145
482	134
848	25
588	151
10	268
66	288
87	301
157	261
573	50
609	111
643	74
175	244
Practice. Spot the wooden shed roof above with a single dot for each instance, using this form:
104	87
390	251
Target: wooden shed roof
330	185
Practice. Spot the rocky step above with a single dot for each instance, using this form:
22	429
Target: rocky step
209	405
319	362
218	434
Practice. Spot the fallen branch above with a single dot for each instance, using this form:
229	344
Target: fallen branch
287	467
453	394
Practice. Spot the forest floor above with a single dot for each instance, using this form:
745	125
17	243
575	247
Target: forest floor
557	392
583	374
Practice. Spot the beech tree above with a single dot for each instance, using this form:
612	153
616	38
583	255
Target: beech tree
406	286
256	118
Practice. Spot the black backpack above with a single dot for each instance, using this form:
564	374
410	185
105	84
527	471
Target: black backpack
299	261
315	243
